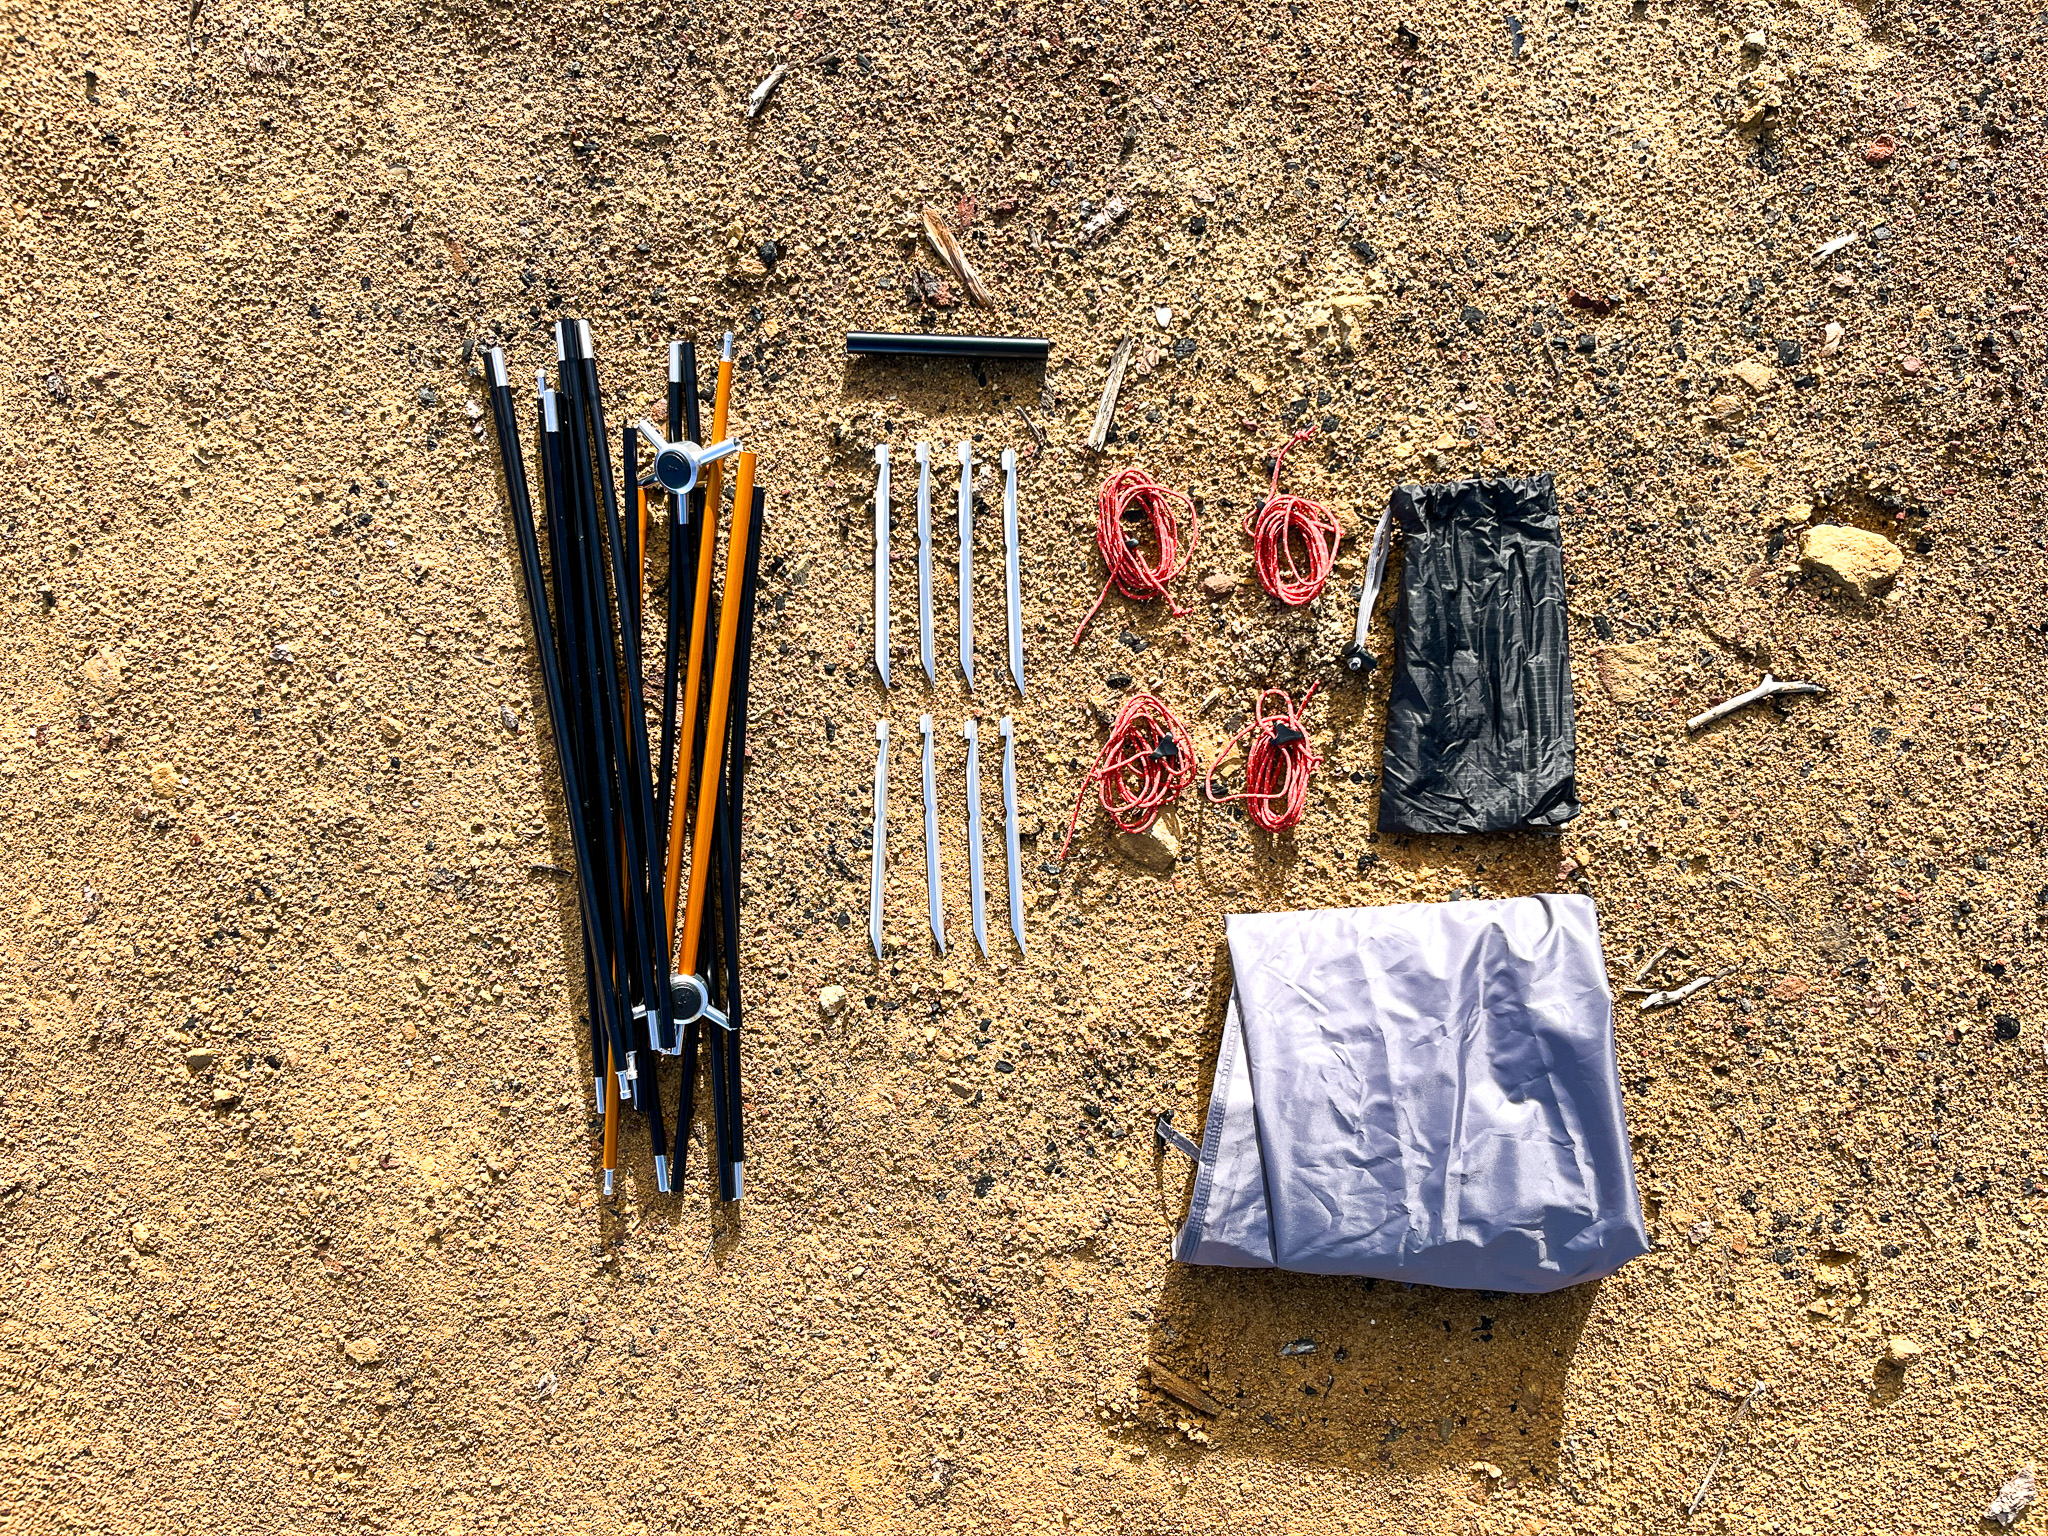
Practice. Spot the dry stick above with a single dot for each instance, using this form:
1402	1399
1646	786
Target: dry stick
1770	687
1758	892
765	89
1098	436
1726	1440
1649	965
1678	994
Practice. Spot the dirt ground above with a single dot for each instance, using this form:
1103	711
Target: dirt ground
299	1217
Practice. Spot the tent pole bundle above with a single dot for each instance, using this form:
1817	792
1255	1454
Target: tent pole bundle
645	804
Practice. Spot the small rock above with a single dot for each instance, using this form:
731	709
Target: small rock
1862	563
1754	42
1880	149
391	730
1831	339
1790	353
364	1351
1728	409
1111	214
832	1001
1299	1347
163	779
143	1237
769	253
2012	1499
1155	848
102	674
225	1098
1219	585
1902	1350
507	719
427	396
59	390
199	1060
1699	1232
1910	365
1756	373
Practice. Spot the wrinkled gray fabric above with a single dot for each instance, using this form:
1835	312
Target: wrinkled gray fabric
1420	1093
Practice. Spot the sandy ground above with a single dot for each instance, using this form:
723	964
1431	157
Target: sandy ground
298	1213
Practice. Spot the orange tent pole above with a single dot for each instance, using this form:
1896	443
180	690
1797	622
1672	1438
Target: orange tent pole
721	703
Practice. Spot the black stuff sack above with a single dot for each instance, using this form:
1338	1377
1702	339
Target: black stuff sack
1479	722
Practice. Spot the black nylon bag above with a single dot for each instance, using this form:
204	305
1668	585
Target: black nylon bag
1479	724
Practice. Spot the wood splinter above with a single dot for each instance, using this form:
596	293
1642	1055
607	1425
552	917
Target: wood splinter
947	244
1181	1390
1098	436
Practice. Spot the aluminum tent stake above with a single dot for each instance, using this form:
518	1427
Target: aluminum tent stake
924	562
882	562
1013	575
1009	733
881	837
931	835
976	894
967	564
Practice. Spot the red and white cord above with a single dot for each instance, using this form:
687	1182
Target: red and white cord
1147	762
1123	494
1277	762
1275	523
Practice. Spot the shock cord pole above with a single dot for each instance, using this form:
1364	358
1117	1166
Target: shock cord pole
682	364
635	773
732	815
514	468
707	555
600	685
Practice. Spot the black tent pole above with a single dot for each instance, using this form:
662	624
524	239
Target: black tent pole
514	469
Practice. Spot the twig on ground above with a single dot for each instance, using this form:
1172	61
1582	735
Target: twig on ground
1649	965
1678	994
1770	687
1726	1440
1037	436
765	89
1758	892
